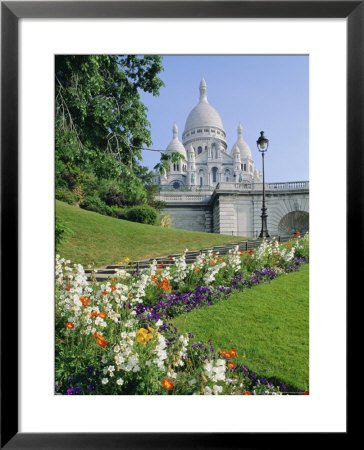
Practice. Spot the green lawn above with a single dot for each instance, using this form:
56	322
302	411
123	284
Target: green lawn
100	240
268	323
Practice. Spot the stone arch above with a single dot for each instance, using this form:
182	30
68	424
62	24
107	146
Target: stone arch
292	222
201	178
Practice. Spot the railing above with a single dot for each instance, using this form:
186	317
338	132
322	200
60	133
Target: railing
203	194
203	188
245	185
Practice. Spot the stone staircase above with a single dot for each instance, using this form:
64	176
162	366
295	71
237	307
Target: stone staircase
107	272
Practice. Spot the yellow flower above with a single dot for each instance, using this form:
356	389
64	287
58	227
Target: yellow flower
143	336
127	260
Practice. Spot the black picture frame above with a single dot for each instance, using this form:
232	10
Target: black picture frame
11	12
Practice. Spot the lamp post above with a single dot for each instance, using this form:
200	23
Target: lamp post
262	144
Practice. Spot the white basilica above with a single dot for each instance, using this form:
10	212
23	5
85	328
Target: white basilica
214	190
206	161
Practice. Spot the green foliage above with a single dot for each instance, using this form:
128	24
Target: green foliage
61	231
142	214
166	160
101	126
94	203
65	195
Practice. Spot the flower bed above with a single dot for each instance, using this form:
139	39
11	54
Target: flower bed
116	337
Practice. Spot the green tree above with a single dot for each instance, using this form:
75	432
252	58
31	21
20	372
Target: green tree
101	123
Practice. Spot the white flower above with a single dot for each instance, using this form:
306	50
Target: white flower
104	380
120	381
192	382
217	389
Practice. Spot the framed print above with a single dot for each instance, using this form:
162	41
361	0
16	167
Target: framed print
27	139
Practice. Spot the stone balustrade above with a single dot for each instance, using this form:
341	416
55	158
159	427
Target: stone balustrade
201	195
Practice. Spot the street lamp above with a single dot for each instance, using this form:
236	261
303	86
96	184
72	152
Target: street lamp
262	144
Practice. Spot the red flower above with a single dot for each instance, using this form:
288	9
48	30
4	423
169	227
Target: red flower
167	384
233	352
306	393
69	325
247	393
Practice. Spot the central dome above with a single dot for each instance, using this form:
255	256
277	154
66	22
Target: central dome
203	115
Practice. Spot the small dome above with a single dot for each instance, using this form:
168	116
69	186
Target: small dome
175	145
241	145
203	114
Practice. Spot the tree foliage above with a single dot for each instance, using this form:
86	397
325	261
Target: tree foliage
101	125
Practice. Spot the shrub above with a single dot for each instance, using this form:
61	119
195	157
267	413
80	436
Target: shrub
94	203
165	221
117	212
65	195
142	214
61	230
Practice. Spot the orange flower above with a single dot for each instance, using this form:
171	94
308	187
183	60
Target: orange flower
247	260
167	384
105	292
154	278
69	325
227	355
164	285
231	365
68	287
130	295
247	393
233	352
170	258
103	315
196	270
161	265
85	301
113	280
101	341
94	314
113	287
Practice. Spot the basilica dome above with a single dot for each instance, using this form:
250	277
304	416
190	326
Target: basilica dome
203	115
176	145
244	149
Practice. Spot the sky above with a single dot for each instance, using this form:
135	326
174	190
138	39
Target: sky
263	92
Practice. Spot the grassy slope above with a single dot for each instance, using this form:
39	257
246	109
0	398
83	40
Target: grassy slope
100	240
268	323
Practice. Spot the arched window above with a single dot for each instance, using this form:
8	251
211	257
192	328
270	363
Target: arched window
199	150
176	167
227	175
214	174
200	176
